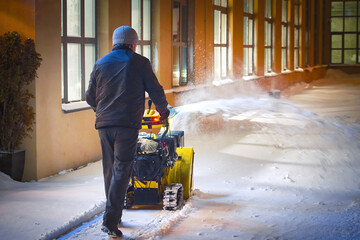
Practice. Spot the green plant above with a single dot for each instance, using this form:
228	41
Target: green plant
18	64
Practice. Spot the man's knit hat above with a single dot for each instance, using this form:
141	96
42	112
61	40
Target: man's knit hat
125	35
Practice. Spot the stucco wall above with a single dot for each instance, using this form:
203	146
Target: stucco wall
18	15
63	140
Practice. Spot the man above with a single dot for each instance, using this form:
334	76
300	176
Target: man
117	94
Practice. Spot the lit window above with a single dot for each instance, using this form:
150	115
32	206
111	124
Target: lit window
284	35
220	39
180	43
297	33
268	36
141	22
345	32
78	47
248	37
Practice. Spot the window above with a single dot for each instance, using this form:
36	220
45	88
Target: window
220	39
345	32
297	34
268	36
78	47
141	22
180	42
284	35
248	37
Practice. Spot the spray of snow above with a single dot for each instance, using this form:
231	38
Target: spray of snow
228	116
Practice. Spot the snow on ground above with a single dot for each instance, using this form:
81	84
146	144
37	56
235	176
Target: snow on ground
47	208
264	169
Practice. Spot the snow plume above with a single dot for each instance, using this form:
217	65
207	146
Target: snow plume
219	89
225	117
163	223
75	221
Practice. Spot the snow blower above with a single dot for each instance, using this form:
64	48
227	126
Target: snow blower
163	171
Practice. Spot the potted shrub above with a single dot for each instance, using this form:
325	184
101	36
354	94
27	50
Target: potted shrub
18	64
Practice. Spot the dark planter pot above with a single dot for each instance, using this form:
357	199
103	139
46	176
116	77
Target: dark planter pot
13	164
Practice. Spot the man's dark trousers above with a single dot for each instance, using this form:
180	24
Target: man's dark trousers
118	146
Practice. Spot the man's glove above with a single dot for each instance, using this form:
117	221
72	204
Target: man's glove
164	114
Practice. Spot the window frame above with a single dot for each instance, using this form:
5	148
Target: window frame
285	47
297	27
82	40
269	21
344	32
180	44
223	9
307	31
141	43
249	16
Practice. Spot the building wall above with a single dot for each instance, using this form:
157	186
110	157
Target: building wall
63	140
66	140
19	16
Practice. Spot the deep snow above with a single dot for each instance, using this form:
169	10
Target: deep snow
264	169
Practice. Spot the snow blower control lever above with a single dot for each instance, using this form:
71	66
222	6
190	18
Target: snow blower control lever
152	120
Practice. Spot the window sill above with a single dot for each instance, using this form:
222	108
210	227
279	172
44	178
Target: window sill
252	77
271	74
221	82
286	72
75	107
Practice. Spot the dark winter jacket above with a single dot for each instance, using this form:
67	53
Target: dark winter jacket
117	89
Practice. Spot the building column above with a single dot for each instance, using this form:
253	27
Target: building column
203	41
302	33
236	38
200	42
277	12
162	42
209	47
312	33
259	11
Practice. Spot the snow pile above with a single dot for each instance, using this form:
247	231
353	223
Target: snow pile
51	206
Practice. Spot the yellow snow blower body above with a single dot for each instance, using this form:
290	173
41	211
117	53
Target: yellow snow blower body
163	171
